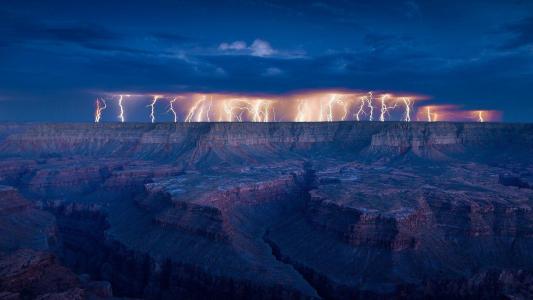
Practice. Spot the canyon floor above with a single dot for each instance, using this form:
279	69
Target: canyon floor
336	210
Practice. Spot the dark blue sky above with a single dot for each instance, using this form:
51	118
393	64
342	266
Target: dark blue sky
57	56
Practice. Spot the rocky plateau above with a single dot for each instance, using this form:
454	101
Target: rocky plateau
333	210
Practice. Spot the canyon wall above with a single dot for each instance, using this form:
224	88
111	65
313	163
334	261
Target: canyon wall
268	210
199	141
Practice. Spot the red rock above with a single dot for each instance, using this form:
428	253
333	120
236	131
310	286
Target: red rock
34	272
244	210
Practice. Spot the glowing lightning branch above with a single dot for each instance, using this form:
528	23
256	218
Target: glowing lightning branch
303	110
152	108
432	117
369	101
228	111
266	112
209	109
256	111
344	108
361	109
321	117
121	115
198	110
171	109
100	106
480	116
332	99
192	111
199	117
384	108
408	103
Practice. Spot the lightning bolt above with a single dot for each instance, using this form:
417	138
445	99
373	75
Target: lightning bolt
480	116
171	109
192	111
302	111
209	109
369	101
432	117
345	109
152	108
100	106
256	117
385	108
121	115
408	103
197	110
200	111
256	110
321	118
266	112
361	110
228	111
262	111
332	100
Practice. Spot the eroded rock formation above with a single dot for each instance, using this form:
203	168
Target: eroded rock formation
267	211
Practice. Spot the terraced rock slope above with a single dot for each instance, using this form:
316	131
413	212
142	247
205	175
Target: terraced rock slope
339	210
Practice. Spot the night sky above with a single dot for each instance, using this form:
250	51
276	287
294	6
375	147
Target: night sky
57	56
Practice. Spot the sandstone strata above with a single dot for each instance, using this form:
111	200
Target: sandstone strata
268	211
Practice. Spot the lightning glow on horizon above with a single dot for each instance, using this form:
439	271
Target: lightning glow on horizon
432	116
260	111
321	106
209	110
480	116
303	109
100	106
192	111
332	99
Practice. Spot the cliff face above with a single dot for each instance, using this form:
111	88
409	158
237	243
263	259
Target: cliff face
22	225
275	210
198	140
29	274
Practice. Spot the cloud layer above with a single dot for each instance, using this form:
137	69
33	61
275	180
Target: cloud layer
59	57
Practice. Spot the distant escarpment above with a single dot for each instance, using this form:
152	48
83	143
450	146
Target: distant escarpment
206	142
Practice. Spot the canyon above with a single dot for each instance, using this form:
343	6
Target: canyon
331	210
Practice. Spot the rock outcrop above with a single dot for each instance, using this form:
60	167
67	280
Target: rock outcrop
22	224
206	141
266	211
29	274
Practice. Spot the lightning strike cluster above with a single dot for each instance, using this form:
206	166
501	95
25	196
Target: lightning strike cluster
318	106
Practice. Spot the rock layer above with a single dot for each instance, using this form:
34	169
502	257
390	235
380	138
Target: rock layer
276	210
